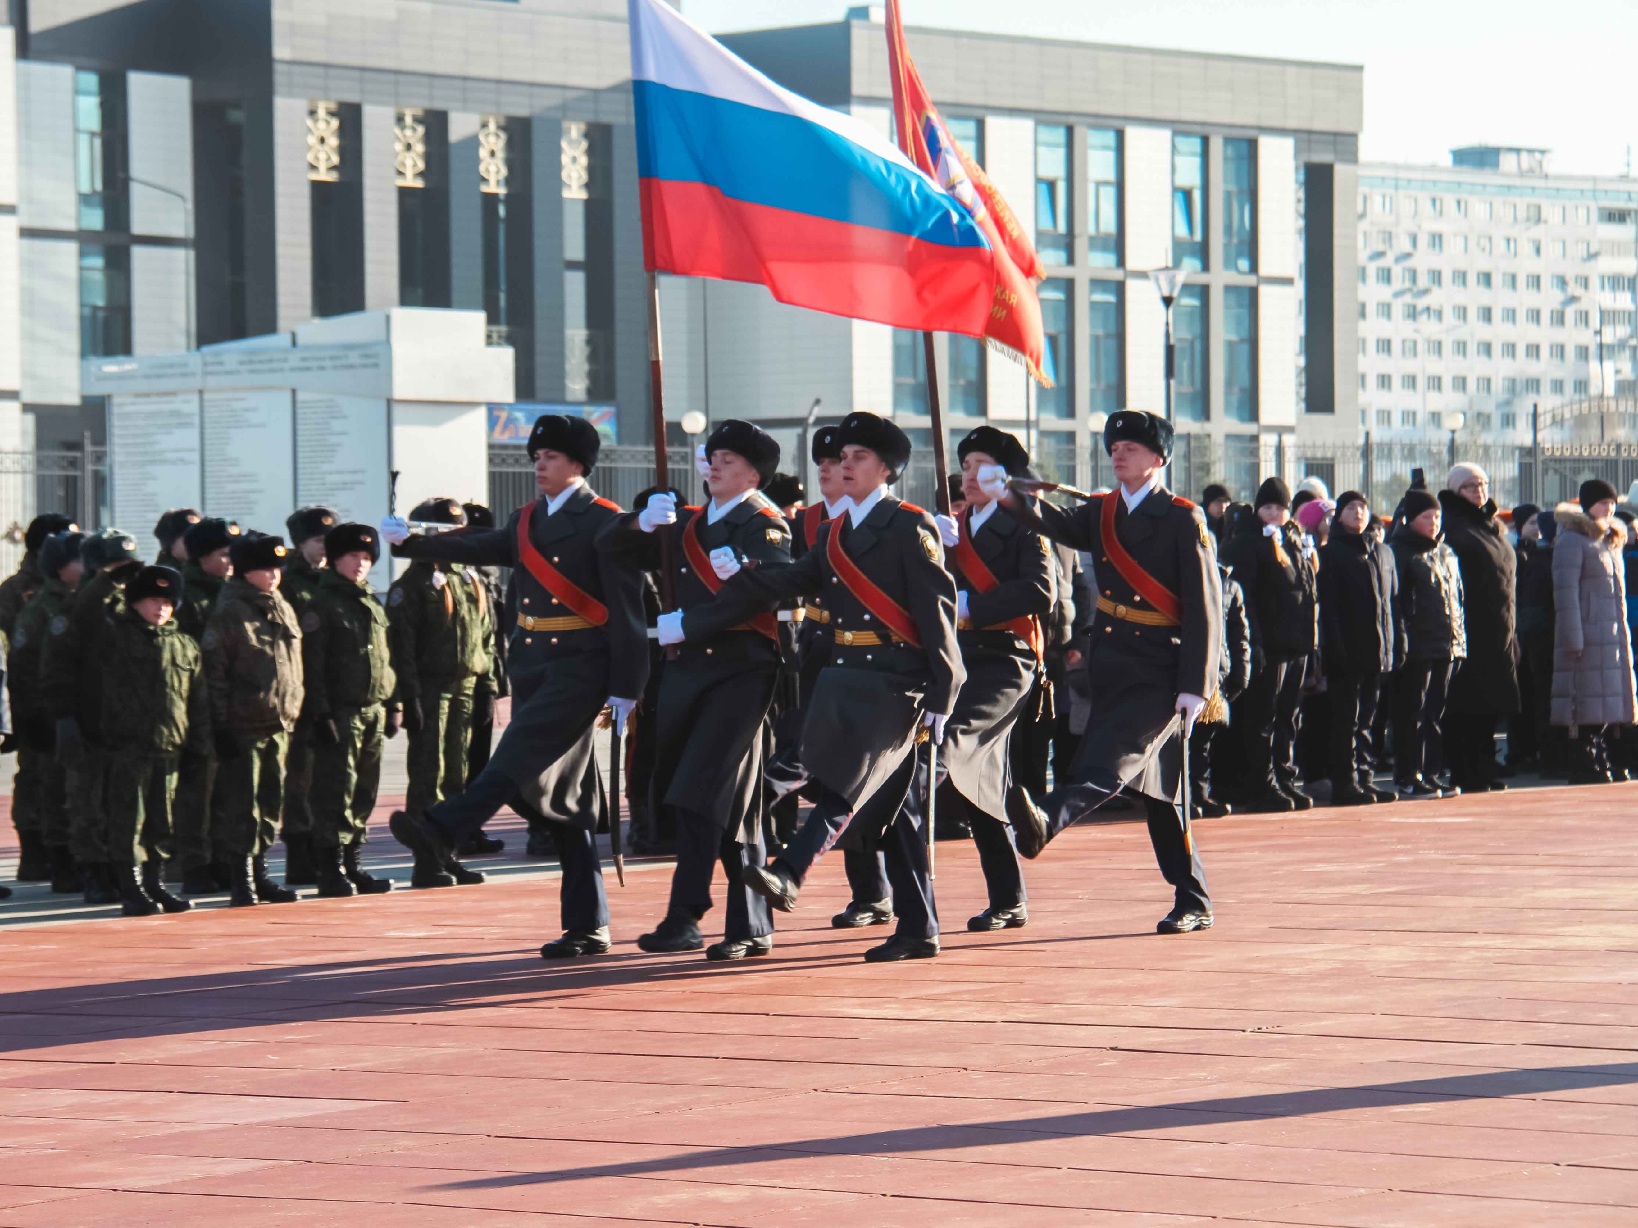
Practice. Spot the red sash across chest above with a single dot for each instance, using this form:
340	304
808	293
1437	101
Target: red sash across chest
1142	583
882	608
554	581
700	561
1027	627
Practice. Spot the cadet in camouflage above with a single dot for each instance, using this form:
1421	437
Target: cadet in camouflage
304	568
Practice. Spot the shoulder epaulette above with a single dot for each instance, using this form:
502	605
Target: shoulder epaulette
599	501
693	507
770	511
912	508
1180	501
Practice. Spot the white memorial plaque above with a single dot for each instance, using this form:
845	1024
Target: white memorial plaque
153	457
250	465
342	454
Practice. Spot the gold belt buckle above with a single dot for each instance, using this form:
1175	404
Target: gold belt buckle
1121	611
846	637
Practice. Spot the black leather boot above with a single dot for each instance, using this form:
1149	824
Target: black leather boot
98	883
133	900
243	890
199	880
367	883
333	883
153	883
300	869
34	860
65	875
267	890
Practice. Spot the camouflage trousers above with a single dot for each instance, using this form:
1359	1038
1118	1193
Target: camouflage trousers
438	754
347	776
298	783
85	779
193	810
249	796
140	788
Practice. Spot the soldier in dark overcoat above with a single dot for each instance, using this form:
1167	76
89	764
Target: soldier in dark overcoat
579	646
712	714
895	670
1156	649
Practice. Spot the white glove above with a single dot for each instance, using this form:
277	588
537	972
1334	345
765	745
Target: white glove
935	722
948	529
724	562
1190	706
622	709
670	627
702	463
961	604
394	530
660	509
992	480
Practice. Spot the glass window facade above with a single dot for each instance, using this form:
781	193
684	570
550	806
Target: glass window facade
1053	198
99	151
588	261
1239	354
1189	202
423	223
909	373
1239	205
1107	348
969	134
968	363
1189	336
1058	365
1103	154
105	300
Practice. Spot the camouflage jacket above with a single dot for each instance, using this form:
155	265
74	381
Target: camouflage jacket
42	619
442	626
253	661
74	660
18	589
199	592
346	659
300	583
155	699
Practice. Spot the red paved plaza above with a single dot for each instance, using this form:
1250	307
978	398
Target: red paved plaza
1417	1014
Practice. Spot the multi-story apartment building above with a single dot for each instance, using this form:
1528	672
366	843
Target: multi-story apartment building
1490	287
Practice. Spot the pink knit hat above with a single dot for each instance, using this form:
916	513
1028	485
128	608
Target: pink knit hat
1310	514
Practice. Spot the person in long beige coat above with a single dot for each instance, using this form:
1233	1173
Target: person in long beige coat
1593	687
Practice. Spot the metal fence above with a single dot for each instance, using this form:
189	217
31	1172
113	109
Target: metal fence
74	483
622	473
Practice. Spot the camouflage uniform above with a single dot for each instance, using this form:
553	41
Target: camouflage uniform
253	667
300	583
442	635
195	805
40	800
350	685
154	708
18	589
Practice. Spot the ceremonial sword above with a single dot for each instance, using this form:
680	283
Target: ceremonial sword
1036	486
616	845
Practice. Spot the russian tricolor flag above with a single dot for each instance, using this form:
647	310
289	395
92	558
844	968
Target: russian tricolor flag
743	180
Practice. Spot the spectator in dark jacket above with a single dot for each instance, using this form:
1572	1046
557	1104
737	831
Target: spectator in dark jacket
1215	503
1281	601
1524	729
1486	687
1232	679
1435	638
1360	640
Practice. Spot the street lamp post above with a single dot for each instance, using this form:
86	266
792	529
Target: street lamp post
1169	283
187	227
1456	422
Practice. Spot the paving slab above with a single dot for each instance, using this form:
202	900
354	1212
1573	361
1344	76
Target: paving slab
1406	1015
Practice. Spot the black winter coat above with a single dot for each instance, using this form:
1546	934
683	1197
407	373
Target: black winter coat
1280	589
1534	588
1489	683
1360	630
1236	676
1430	597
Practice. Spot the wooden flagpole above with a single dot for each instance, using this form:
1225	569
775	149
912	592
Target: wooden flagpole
935	411
662	464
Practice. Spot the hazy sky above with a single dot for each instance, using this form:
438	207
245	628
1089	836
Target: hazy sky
1559	74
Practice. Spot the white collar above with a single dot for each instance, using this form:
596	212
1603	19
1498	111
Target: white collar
982	515
562	496
1133	498
717	510
860	510
833	510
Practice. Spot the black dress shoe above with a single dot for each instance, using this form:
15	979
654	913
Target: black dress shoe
427	846
672	935
740	948
1183	921
775	884
464	876
856	915
1014	918
1029	825
1380	795
896	948
1211	808
577	943
480	845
